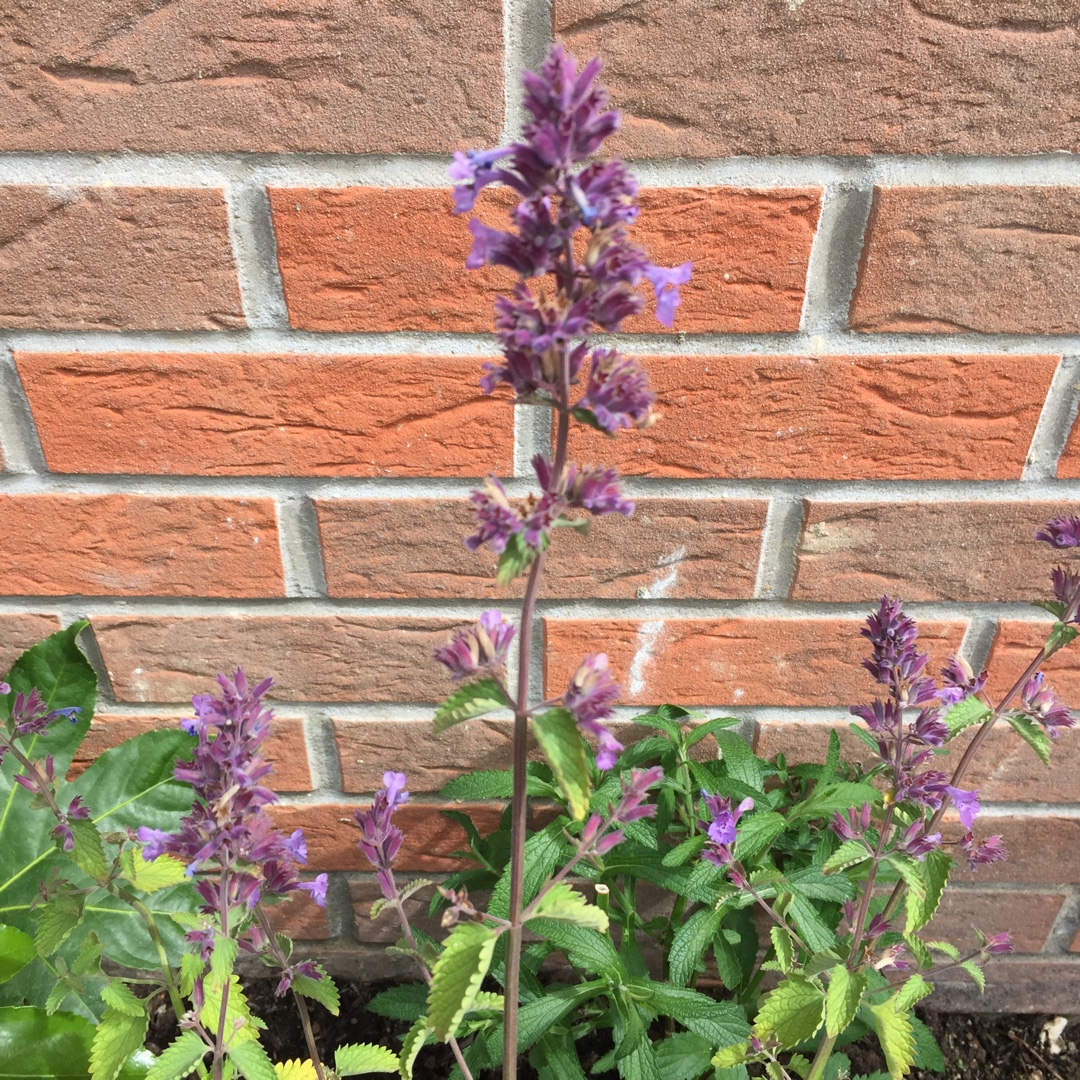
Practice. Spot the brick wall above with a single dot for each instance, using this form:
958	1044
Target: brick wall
239	416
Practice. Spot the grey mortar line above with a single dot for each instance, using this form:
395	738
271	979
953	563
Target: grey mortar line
254	247
1055	421
301	549
92	651
322	750
19	440
526	33
532	435
978	640
1065	925
779	544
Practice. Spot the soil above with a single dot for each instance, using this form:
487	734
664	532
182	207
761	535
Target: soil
976	1046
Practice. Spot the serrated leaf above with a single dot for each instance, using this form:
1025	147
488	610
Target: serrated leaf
849	853
585	949
896	1036
297	1070
842	999
710	727
56	919
323	990
740	761
917	948
149	877
564	749
684	1056
56	998
563	903
785	955
117	1037
687	850
815	932
915	988
360	1058
1033	734
238	1016
756	832
222	960
456	978
1060	635
516	557
965	714
791	1013
912	871
251	1059
976	973
472	699
690	941
191	968
935	875
405	1002
88	852
179	1058
720	1022
411	1046
928	1054
640	1063
16	951
492	784
730	1056
1055	607
827	799
118	996
946	947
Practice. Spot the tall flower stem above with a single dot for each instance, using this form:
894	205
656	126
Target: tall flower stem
219	1038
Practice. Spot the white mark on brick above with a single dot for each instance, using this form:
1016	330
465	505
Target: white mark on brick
649	632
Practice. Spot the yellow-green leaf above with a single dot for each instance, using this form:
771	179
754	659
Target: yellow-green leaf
842	999
456	978
561	743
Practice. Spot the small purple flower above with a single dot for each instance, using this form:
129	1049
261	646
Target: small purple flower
666	284
1061	532
590	695
31	716
966	803
594	488
895	661
618	391
1067	592
380	839
317	888
721	830
917	844
473	169
999	944
990	850
497	519
959	681
4	688
1042	705
482	647
63	832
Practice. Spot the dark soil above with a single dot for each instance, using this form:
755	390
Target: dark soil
976	1047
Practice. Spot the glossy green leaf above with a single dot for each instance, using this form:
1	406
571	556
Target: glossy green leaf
16	951
965	714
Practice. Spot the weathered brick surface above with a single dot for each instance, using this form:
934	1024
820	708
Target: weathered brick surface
301	918
18	631
1005	770
670	547
139	545
1015	646
380	259
700	79
836	417
385	928
116	258
232	75
1035	846
331	834
1013	985
1069	462
1028	916
923	550
993	260
284	747
241	415
312	657
732	661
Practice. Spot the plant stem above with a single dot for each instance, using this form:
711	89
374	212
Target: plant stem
219	1038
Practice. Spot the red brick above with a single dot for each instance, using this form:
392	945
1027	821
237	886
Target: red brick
331	834
385	928
1069	462
378	259
243	415
284	748
139	545
300	918
19	631
1027	916
701	79
701	548
970	259
1006	769
331	76
116	258
1040	850
312	657
1013	985
1015	646
734	661
923	550
836	417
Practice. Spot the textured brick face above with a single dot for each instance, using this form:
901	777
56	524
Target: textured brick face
135	545
984	259
701	79
836	417
18	631
391	259
377	548
327	75
239	415
116	258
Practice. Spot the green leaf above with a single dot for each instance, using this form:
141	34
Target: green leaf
118	996
687	850
730	1056
965	714
361	1058
813	929
928	1054
493	784
976	973
555	1058
896	1036
36	1046
912	871
540	1016
740	761
921	908
543	850
640	1064
515	558
16	951
1060	636
323	990
150	877
472	699
842	999
560	741
456	978
792	1012
849	853
588	418
88	852
684	1056
1055	607
251	1059
411	1046
222	960
238	1018
785	955
690	941
585	949
563	903
917	948
915	988
720	1022
57	918
406	1002
756	832
118	1036
827	799
860	732
946	947
710	727
1033	734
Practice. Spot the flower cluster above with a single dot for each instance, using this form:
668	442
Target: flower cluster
590	695
228	841
30	716
380	839
1041	704
596	839
720	832
478	649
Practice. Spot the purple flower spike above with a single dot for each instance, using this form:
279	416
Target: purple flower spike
1067	593
380	840
482	647
721	830
966	803
959	681
1042	705
497	519
590	695
990	850
1061	532
618	392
